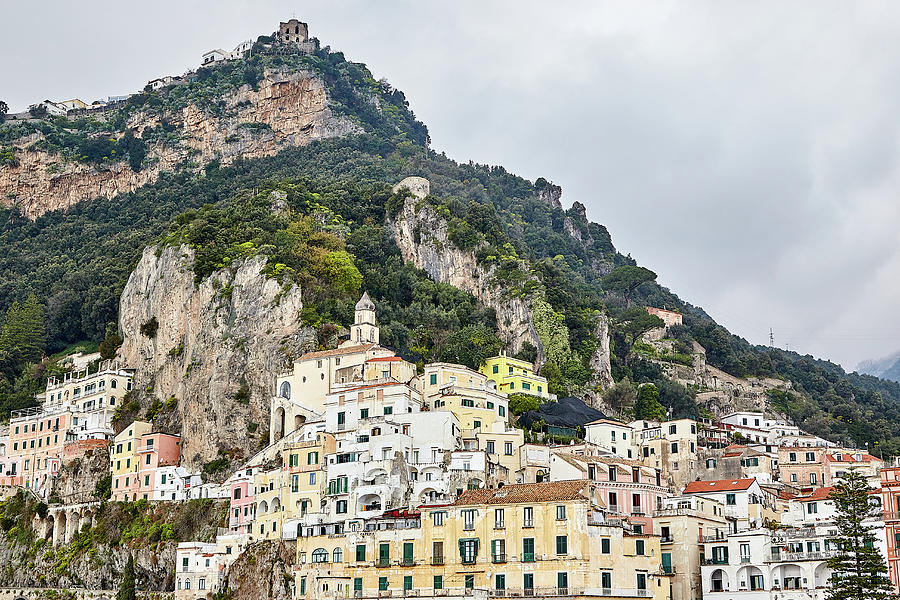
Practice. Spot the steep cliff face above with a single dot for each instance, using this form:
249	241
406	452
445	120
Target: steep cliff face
286	109
78	478
264	570
232	331
600	360
421	234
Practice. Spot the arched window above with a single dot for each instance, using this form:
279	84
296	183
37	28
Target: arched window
338	555
285	390
113	384
320	555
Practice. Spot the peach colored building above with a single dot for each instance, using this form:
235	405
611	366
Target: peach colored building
242	509
809	468
141	461
669	317
890	502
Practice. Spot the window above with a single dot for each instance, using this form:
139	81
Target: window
498	518
320	555
437	518
295	483
341	507
810	457
438	582
710	463
562	544
562	582
793	477
469	582
502	411
528	515
500	582
639	547
641	581
812	508
364	413
675	448
408	553
498	551
672	429
357	584
382	583
468	550
528	583
792	457
360	552
561	512
388	410
606	580
496	369
730	499
312	478
756	582
468	519
432	379
384	554
508	448
437	553
812	478
468	403
490	448
604	546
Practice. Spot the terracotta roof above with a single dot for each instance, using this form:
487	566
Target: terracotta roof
720	485
359	348
848	457
817	495
555	491
385	359
365	387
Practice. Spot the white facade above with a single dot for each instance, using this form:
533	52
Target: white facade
611	435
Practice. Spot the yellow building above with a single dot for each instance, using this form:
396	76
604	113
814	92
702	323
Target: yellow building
519	540
514	376
124	461
465	393
682	524
501	443
284	496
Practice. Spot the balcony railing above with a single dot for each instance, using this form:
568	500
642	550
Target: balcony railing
792	556
437	560
498	558
469	560
527	557
383	562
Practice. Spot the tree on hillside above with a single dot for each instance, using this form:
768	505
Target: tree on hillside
126	588
620	396
471	345
859	571
647	405
626	279
4	108
22	333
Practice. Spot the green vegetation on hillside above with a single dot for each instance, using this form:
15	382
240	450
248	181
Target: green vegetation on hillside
338	205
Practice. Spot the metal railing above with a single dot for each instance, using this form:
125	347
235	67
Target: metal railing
498	558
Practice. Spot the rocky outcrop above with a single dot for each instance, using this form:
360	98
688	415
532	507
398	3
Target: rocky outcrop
422	236
601	365
235	329
264	570
286	109
78	478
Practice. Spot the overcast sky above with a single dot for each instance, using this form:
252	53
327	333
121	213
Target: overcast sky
746	152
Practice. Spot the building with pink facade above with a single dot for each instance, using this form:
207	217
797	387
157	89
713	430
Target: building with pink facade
669	317
630	490
242	509
144	465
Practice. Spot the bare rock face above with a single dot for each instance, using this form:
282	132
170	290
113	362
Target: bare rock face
264	570
236	327
422	237
600	360
286	109
78	478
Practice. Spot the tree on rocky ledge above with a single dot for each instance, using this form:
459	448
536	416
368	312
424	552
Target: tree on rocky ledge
858	569
126	588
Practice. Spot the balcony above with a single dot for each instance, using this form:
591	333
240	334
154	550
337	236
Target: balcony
498	558
666	539
668	570
469	560
527	557
383	562
795	556
407	562
715	561
437	560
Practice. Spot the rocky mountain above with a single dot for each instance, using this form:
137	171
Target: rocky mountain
226	222
211	346
887	367
283	109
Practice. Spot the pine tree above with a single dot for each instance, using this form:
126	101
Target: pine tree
126	589
859	572
647	405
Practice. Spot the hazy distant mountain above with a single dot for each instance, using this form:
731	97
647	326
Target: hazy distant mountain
887	367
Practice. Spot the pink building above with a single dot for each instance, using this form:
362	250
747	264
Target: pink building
242	508
630	490
669	317
142	461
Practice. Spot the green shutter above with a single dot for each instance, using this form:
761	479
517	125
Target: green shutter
357	584
407	552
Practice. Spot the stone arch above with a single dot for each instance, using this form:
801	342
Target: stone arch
276	505
262	507
73	526
59	530
369	502
718	581
746	577
821	575
285	390
49	530
299	420
788	576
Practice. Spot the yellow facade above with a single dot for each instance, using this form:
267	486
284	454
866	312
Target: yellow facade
288	493
466	394
533	539
502	444
124	462
514	376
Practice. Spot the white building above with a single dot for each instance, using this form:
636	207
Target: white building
615	436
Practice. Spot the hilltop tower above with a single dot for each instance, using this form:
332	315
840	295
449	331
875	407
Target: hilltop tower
293	32
364	330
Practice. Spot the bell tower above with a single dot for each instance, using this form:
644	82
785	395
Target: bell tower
364	329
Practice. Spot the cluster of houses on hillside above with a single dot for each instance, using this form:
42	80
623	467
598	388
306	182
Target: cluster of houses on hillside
292	34
393	480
